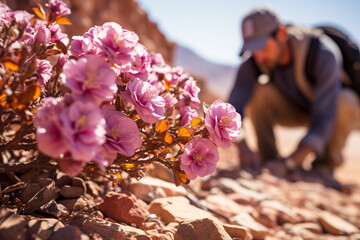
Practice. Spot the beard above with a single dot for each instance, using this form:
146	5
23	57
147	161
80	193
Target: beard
274	62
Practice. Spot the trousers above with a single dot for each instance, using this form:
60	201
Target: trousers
268	107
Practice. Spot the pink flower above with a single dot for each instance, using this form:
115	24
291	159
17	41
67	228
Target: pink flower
187	114
62	59
117	44
83	130
176	75
70	166
81	45
49	128
6	15
22	17
146	100
58	7
140	65
123	135
157	59
223	123
74	133
57	35
170	102
199	158
42	36
190	94
90	78
43	71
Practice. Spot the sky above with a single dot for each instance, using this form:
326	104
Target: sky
211	28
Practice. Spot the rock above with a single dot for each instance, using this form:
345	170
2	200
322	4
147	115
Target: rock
124	207
93	188
355	236
230	186
54	209
236	231
29	191
336	225
285	214
267	217
159	171
46	194
69	233
62	179
141	237
303	230
241	199
305	215
154	235
226	206
43	228
312	227
71	191
75	204
176	209
252	184
258	231
149	188
199	229
97	228
78	182
12	226
171	227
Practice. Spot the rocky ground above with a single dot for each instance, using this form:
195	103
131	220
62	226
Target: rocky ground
231	204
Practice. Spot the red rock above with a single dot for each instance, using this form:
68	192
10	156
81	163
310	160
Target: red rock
124	207
12	226
226	206
97	228
71	191
258	230
201	229
46	194
267	217
44	228
149	188
176	209
69	233
236	231
336	225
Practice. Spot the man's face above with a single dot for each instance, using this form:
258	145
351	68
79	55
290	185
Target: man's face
271	54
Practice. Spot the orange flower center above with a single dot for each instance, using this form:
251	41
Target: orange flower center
81	121
114	132
225	121
198	158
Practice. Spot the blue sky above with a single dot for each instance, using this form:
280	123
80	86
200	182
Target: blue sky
212	28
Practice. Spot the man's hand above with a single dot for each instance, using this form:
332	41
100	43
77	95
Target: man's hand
297	158
248	159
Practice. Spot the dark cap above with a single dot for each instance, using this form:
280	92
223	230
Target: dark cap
257	27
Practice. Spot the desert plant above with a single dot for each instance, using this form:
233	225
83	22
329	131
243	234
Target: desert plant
100	102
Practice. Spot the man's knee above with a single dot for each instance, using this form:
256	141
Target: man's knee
264	95
349	108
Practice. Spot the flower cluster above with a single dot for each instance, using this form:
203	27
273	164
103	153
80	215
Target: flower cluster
107	100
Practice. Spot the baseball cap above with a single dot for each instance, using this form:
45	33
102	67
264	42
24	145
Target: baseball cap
257	27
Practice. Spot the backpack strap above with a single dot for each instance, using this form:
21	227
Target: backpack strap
310	60
300	39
